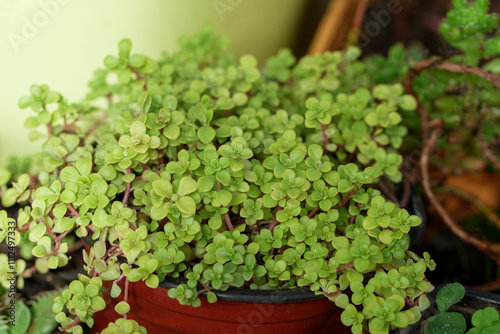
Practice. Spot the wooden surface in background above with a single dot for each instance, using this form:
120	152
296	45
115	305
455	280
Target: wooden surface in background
335	25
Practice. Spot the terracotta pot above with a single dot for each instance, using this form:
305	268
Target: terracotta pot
237	311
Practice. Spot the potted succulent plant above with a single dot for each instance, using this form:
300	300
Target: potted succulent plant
205	172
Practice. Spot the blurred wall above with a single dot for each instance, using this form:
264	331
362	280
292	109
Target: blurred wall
61	42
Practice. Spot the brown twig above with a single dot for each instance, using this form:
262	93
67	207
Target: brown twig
486	150
489	248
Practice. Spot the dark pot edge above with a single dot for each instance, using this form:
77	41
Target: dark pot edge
253	296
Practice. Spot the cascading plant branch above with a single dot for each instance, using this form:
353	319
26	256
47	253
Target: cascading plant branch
206	168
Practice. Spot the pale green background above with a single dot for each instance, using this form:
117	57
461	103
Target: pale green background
72	41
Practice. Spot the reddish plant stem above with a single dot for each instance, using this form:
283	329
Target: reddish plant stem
57	241
91	227
72	210
127	190
97	125
338	292
325	137
73	324
24	228
205	290
313	212
137	74
112	249
28	272
409	302
351	220
229	225
125	296
345	267
52	234
351	157
348	196
49	129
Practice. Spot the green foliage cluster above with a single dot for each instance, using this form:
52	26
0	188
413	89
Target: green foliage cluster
207	168
483	321
466	103
35	316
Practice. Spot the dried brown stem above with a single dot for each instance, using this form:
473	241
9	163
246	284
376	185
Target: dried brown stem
489	248
486	150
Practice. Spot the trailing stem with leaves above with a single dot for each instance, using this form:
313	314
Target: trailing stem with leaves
458	105
201	166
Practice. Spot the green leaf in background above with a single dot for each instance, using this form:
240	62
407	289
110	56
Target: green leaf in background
23	319
448	323
44	321
449	295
